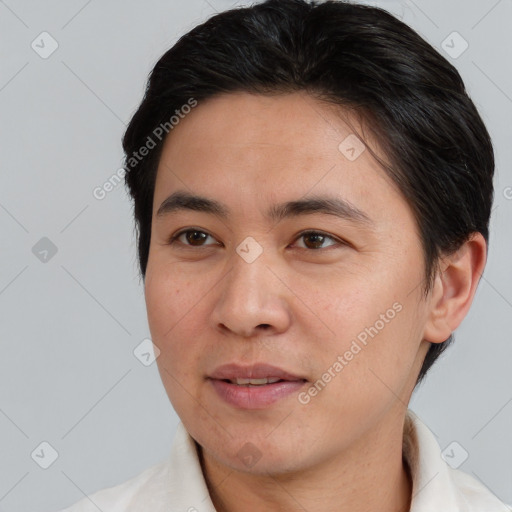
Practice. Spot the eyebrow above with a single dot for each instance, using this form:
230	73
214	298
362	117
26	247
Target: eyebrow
182	200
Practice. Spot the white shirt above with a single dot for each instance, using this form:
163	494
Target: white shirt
177	484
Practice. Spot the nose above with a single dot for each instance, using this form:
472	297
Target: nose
252	299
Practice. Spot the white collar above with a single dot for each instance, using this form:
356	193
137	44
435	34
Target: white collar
437	486
177	483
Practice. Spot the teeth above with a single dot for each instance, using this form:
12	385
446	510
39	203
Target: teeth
253	382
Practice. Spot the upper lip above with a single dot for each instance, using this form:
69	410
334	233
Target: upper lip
254	371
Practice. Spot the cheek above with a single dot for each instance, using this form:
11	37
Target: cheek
350	302
175	304
168	295
374	319
168	307
378	356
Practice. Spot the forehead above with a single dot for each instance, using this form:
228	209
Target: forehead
252	150
291	122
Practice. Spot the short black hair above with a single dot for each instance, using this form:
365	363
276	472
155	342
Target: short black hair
359	57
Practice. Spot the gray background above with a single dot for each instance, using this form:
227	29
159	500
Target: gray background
69	325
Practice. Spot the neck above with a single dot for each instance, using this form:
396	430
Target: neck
372	475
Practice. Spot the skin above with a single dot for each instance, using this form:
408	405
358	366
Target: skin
342	451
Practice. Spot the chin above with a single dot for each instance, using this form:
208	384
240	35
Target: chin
257	456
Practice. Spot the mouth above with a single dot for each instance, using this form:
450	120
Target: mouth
256	374
254	382
254	387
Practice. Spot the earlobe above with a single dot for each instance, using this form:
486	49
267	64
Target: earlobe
454	288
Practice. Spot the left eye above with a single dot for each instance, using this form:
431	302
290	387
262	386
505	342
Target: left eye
316	239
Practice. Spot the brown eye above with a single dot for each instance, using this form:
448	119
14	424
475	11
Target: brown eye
314	240
195	237
190	238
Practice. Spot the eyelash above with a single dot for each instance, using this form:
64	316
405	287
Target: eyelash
174	238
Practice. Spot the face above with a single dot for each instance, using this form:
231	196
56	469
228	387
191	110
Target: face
324	296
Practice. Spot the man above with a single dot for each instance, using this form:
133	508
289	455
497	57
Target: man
312	190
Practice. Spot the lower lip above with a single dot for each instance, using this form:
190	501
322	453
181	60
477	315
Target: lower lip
255	397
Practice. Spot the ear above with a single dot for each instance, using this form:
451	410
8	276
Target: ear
454	288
